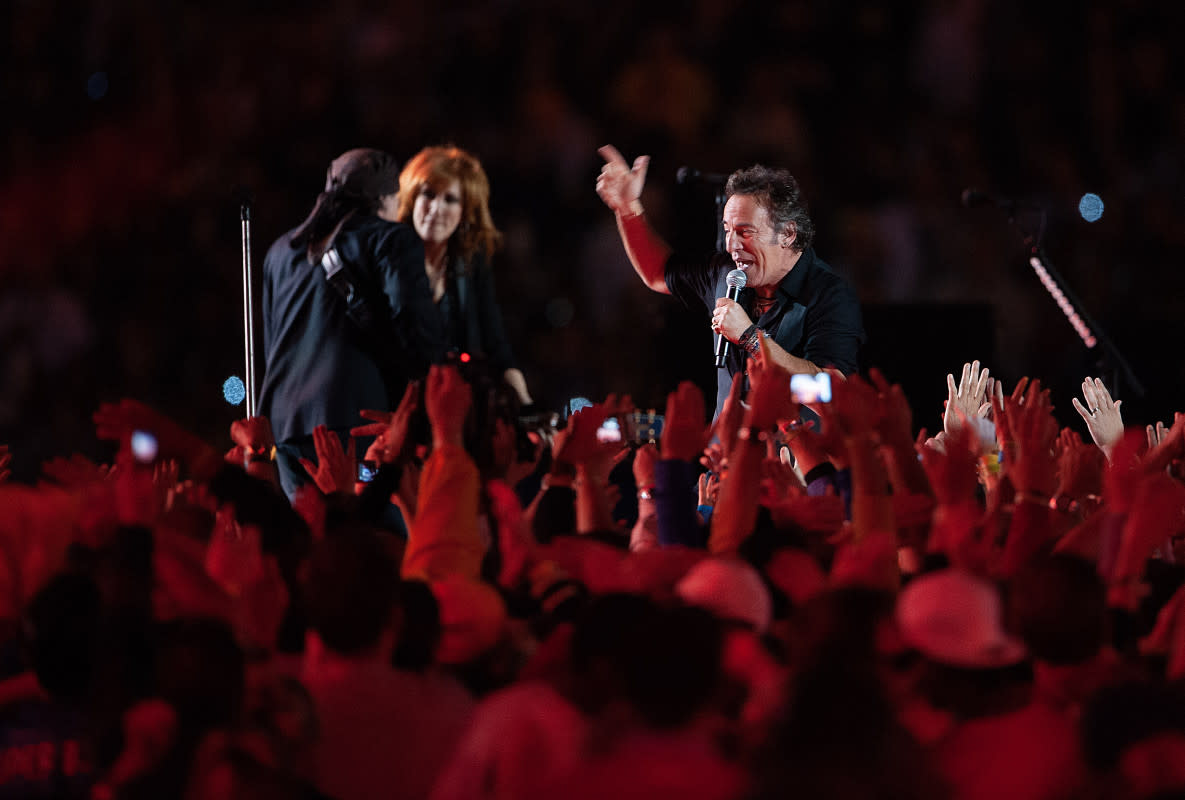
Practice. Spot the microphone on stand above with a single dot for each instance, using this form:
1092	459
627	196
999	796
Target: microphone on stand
736	281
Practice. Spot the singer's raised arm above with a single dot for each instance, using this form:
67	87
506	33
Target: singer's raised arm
620	186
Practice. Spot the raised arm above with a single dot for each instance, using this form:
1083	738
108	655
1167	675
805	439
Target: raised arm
620	186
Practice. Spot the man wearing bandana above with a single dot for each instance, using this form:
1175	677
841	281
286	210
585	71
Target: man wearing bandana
348	318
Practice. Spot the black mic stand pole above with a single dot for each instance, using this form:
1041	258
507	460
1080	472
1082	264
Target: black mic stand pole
1110	361
248	309
720	242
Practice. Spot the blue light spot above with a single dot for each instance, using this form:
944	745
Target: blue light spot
233	390
96	86
1091	207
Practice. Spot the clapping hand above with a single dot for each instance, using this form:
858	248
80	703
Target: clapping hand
1101	415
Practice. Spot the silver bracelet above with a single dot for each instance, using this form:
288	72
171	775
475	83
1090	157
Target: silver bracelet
751	341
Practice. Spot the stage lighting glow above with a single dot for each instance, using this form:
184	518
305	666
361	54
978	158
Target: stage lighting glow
233	390
96	86
1091	207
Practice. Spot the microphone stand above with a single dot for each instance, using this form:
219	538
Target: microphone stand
720	243
248	309
1111	363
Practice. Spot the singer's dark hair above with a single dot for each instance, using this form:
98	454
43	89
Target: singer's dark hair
779	194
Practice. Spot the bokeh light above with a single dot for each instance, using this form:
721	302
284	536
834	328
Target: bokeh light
1091	207
233	390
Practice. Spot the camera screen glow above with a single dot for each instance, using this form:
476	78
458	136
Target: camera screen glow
143	446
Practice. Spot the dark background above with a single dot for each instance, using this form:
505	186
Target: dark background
129	126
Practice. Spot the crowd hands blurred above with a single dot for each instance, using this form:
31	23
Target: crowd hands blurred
749	607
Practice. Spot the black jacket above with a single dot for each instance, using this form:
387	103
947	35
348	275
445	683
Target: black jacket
321	367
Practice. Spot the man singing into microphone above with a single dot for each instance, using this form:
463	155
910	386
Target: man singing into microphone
810	315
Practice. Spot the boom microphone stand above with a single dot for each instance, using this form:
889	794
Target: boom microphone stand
1111	363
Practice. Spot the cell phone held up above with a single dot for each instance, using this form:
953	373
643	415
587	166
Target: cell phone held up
808	389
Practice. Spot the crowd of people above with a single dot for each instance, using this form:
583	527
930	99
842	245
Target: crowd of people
405	578
744	607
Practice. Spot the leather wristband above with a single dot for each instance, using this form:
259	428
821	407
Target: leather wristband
750	340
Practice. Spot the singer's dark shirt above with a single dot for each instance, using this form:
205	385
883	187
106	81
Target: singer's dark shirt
816	315
321	369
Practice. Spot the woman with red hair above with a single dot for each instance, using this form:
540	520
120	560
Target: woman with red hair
444	193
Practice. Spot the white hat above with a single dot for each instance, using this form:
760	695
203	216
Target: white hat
954	618
730	588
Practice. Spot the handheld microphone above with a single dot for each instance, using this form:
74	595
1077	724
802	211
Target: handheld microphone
690	175
736	281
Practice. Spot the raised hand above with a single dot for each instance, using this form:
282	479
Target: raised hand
1033	469
967	400
685	432
253	434
620	185
75	471
894	423
1101	415
645	457
389	429
770	400
1155	515
708	488
790	504
951	471
578	443
855	406
1079	467
1166	446
447	398
335	470
732	413
117	422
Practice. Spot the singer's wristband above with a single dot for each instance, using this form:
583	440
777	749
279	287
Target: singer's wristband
632	209
750	340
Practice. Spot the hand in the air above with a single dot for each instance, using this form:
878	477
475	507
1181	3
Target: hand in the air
619	185
1101	415
335	470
